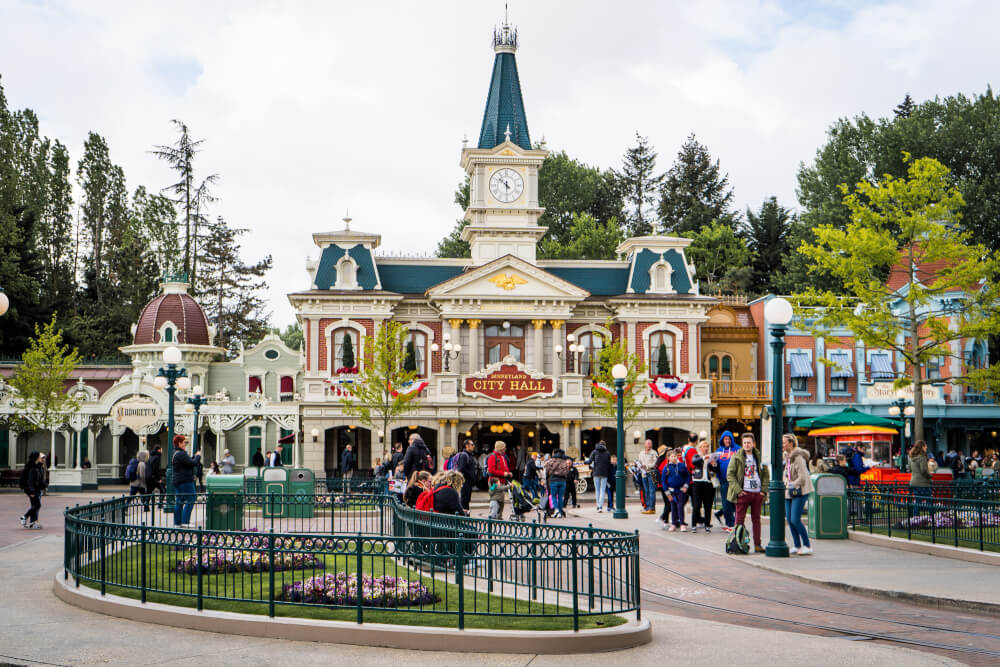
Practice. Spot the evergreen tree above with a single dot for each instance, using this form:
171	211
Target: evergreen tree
767	233
232	291
410	360
95	174
292	336
348	352
191	197
56	232
567	188
453	245
695	192
905	108
638	185
662	360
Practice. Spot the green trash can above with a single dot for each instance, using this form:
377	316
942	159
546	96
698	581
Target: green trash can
828	507
251	482
274	491
302	487
224	503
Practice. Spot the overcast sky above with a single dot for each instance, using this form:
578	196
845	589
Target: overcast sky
310	109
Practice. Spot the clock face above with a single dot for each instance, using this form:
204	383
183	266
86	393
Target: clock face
506	185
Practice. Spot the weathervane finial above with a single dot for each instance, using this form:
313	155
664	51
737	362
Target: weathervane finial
347	220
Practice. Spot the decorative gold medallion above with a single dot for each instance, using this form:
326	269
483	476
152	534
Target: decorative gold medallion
508	282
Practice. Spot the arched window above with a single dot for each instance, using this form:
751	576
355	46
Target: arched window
168	335
664	340
720	367
592	343
338	340
418	341
347	273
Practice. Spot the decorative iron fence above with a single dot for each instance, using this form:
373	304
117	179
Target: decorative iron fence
924	515
352	555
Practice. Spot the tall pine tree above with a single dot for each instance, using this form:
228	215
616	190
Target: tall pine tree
695	192
232	291
767	233
638	184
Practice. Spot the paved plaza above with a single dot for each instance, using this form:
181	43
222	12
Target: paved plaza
37	628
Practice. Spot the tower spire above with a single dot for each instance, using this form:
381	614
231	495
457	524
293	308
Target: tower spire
504	104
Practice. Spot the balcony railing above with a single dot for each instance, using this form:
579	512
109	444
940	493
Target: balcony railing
752	389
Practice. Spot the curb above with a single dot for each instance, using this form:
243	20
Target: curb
926	548
421	638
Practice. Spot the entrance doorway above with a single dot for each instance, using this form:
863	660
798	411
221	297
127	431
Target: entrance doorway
128	447
336	441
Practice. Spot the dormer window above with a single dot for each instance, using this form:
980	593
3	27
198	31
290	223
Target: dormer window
168	335
660	275
347	273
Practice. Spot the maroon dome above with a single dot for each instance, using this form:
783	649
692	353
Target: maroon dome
178	308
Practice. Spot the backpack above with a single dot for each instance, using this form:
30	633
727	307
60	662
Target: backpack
739	541
450	464
130	470
425	501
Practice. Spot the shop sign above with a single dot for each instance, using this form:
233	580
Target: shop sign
137	412
508	381
884	391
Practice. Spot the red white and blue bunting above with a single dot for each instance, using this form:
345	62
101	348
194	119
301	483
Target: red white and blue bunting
340	385
669	387
409	389
609	389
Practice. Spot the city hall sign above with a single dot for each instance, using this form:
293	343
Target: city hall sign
508	381
136	413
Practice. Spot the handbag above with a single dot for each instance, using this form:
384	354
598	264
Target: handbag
794	491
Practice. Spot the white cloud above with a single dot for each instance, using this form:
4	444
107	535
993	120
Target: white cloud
313	108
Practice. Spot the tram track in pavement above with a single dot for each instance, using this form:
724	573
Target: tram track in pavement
978	647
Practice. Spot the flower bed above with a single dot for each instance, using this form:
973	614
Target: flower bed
965	519
221	561
342	589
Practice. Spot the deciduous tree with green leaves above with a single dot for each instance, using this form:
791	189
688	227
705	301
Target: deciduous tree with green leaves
721	259
944	290
374	398
606	404
40	382
588	239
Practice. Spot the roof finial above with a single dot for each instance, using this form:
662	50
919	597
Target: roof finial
347	220
505	39
465	141
506	134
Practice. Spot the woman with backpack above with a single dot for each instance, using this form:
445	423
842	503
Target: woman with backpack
139	478
32	482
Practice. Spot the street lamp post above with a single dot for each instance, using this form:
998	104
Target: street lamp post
778	313
619	372
171	378
902	407
450	351
195	401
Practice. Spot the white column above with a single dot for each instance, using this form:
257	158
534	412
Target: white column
558	361
92	445
538	354
564	436
692	338
628	330
475	363
313	351
52	447
115	444
456	339
296	456
11	449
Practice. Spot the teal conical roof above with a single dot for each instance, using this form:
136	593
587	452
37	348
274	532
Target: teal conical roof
504	106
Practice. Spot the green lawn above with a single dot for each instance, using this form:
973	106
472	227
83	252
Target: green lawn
482	610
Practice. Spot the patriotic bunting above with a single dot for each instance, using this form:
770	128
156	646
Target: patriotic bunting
669	387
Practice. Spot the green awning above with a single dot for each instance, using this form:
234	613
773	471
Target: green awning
848	417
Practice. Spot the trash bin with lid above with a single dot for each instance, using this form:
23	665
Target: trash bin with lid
828	507
274	492
251	481
302	492
224	502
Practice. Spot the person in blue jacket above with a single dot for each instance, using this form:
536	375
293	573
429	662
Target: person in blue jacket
676	479
727	448
856	464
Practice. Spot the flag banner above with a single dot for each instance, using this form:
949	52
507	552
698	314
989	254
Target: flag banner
408	389
669	387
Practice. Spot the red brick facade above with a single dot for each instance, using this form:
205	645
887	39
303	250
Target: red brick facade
324	340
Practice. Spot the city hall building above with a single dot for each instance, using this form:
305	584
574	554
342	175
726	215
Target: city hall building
505	341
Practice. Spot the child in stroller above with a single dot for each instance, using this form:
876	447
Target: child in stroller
522	503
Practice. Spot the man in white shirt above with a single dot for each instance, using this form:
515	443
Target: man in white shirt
228	461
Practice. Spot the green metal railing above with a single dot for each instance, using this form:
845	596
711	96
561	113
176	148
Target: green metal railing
309	551
922	514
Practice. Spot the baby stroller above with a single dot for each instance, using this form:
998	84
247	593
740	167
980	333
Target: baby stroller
522	503
636	471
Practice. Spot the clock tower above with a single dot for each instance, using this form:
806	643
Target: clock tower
503	168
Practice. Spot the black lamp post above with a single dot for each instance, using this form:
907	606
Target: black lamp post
778	313
902	408
449	351
171	378
196	400
619	372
